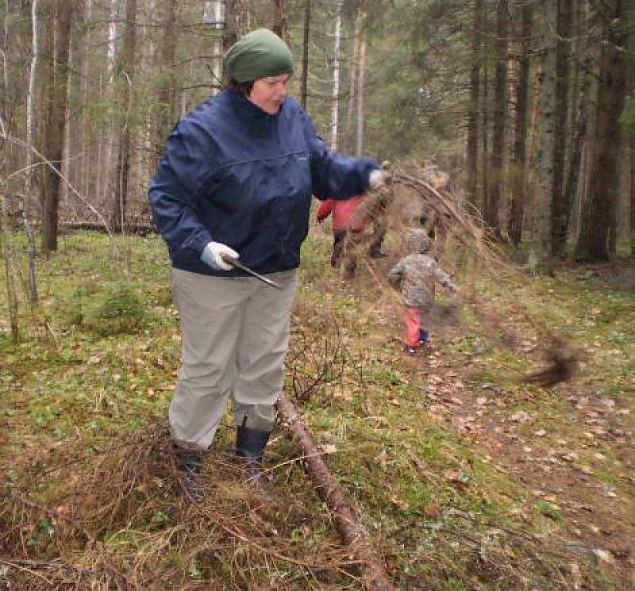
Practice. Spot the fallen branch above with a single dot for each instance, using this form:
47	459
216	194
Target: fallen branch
331	493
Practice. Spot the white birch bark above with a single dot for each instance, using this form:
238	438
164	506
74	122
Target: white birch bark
335	105
30	129
359	145
29	184
103	189
214	17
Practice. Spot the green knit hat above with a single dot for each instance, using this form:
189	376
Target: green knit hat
258	54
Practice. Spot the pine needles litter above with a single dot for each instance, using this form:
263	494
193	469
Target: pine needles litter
116	521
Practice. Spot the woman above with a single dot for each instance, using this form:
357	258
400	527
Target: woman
236	181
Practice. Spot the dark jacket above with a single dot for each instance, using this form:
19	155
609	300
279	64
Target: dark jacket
237	175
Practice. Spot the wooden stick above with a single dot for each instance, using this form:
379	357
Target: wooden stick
350	529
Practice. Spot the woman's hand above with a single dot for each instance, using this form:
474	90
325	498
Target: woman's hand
213	256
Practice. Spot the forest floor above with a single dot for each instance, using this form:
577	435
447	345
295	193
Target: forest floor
464	476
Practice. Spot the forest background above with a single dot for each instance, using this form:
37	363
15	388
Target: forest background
527	104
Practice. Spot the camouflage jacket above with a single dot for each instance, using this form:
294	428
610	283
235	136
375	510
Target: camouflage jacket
415	275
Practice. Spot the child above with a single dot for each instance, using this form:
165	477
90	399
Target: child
415	275
346	231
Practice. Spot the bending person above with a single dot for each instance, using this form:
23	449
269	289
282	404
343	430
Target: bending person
236	181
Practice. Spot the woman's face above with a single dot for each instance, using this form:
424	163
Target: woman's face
268	93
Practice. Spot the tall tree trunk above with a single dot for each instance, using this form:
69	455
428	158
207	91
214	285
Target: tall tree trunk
230	32
558	213
578	114
166	92
482	201
107	92
29	178
597	217
5	246
304	92
471	184
519	166
279	18
350	109
577	143
359	144
492	205
214	18
335	104
56	121
5	233
125	76
632	228
545	140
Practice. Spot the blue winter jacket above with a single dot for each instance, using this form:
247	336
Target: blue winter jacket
237	175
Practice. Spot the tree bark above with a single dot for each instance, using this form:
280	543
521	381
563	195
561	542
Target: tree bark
306	36
166	92
482	201
350	109
471	184
29	178
559	214
56	122
597	218
375	577
577	146
545	140
230	32
632	229
279	18
335	95
125	75
497	159
518	170
359	144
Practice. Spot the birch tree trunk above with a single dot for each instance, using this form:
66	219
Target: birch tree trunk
497	160
304	91
29	178
359	144
519	165
214	18
471	184
335	95
55	129
106	167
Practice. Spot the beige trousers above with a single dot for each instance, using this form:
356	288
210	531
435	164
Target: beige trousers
235	334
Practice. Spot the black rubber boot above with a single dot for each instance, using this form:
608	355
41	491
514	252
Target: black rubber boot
189	465
250	445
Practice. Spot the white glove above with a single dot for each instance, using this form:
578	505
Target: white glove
212	256
377	178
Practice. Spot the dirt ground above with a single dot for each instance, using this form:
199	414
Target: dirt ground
563	467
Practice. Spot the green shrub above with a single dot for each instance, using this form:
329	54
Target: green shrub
118	309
